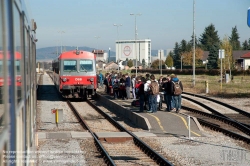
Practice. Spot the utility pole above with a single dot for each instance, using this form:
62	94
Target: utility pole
193	42
117	26
135	42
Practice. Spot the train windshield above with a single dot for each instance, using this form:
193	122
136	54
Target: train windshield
86	65
69	65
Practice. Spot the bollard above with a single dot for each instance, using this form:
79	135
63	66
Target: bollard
56	116
188	127
206	86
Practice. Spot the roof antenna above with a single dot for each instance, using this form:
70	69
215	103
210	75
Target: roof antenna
77	51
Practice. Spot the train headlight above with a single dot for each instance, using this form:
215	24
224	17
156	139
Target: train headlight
91	79
64	79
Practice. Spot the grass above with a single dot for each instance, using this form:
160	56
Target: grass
239	87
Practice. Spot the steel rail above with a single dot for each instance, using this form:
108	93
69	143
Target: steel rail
224	104
227	132
244	128
108	160
159	159
233	123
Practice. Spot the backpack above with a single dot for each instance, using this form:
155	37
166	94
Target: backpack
115	85
177	88
154	87
136	103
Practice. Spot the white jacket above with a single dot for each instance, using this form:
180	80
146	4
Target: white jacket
146	85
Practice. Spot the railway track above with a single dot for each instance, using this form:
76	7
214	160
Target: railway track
130	152
226	123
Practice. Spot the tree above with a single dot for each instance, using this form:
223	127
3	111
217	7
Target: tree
169	60
188	57
234	39
156	64
213	57
228	60
176	56
130	63
183	46
209	38
143	63
245	45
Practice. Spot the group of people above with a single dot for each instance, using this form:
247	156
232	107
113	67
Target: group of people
150	91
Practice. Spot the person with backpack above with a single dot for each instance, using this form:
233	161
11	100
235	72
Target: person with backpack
154	91
177	91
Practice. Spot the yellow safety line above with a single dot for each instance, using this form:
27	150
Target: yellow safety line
186	124
158	121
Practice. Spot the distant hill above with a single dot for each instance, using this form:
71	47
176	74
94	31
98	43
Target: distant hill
49	53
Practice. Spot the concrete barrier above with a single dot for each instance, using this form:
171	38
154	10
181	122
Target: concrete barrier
136	118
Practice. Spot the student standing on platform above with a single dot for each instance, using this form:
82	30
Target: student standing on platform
154	91
177	90
127	85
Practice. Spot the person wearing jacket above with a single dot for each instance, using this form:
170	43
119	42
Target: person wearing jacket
176	98
146	92
140	87
127	85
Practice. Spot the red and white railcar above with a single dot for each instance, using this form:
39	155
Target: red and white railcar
74	74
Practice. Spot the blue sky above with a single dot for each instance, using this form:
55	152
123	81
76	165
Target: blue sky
163	21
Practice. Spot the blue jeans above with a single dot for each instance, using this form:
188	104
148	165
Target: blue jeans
153	103
169	101
141	99
177	102
101	83
146	101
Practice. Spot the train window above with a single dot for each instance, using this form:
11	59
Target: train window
69	65
86	65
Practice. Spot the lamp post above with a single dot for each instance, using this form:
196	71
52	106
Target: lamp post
61	32
118	59
97	37
135	42
193	42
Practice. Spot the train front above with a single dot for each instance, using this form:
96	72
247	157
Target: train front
78	77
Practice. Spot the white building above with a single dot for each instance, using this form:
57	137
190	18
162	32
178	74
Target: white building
129	49
101	55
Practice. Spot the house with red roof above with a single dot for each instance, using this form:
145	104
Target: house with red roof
246	60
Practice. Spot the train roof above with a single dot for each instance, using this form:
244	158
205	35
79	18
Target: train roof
77	54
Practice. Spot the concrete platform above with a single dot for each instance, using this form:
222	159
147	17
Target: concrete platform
160	123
